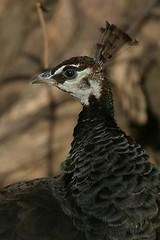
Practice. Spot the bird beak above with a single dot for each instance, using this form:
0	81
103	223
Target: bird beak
45	77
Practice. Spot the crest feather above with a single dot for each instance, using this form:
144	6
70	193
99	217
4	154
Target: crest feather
111	40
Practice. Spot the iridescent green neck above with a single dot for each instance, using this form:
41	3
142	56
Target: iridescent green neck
107	98
66	166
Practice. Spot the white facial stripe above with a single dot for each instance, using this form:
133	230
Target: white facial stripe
59	70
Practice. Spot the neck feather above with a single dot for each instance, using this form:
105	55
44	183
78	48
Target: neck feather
106	99
98	113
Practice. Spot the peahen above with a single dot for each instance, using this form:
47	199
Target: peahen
107	190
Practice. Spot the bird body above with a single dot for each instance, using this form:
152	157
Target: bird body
107	190
113	186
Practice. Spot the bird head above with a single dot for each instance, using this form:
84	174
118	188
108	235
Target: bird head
81	77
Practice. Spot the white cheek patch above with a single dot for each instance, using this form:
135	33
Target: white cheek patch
83	74
73	87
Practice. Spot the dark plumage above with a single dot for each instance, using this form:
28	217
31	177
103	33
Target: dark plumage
108	190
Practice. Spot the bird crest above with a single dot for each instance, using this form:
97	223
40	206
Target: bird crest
111	40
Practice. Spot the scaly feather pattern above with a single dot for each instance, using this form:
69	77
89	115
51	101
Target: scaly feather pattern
29	210
107	190
114	187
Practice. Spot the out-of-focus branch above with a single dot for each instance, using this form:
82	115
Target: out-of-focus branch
44	31
50	156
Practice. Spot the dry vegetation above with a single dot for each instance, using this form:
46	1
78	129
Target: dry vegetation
36	122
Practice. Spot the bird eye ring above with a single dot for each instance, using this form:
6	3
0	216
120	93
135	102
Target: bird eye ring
70	73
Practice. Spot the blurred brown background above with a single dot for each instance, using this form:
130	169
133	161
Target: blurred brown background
36	122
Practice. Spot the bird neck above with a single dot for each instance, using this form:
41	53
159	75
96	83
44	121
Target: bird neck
99	112
104	105
106	100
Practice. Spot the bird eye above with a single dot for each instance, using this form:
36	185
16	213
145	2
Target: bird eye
70	73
